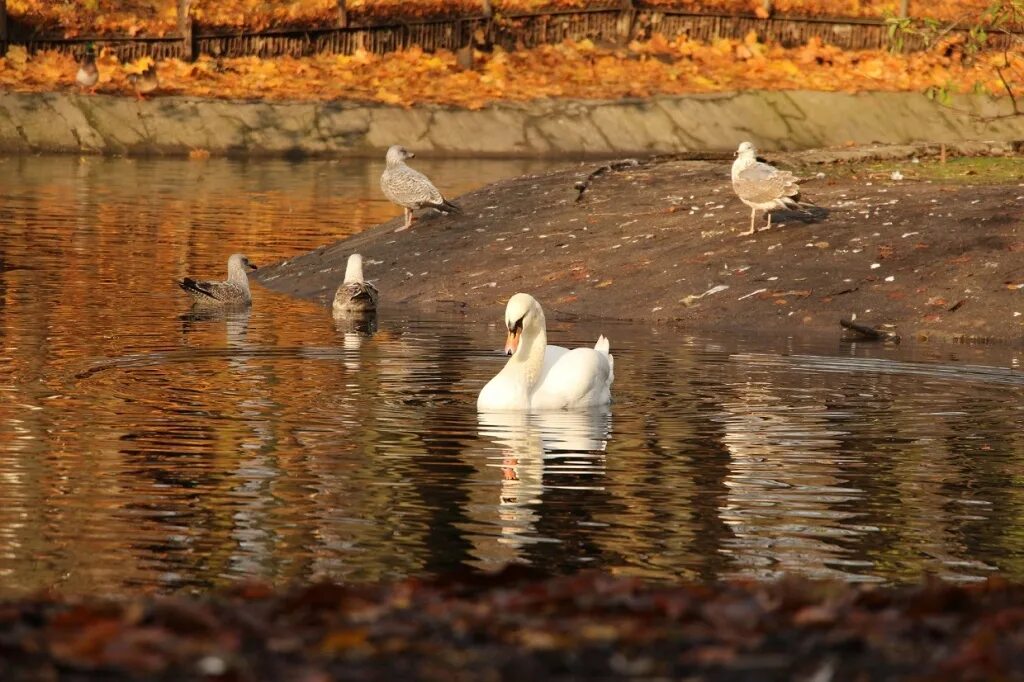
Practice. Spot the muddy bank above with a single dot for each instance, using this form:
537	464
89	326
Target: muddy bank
661	241
520	625
784	120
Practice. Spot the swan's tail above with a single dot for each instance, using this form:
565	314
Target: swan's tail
602	346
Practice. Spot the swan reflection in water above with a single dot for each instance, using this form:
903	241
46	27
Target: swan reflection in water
559	446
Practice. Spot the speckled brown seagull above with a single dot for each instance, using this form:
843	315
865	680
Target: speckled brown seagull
763	187
355	296
233	292
409	188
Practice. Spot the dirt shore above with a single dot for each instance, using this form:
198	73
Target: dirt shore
932	249
517	625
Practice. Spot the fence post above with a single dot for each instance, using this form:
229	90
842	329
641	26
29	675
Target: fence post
342	15
3	27
904	9
626	18
488	9
185	28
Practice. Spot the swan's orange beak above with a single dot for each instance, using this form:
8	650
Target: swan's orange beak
512	342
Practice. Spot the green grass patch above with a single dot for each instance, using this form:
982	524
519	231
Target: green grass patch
993	170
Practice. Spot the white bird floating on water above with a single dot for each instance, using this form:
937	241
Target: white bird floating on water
543	377
763	187
355	295
409	188
233	292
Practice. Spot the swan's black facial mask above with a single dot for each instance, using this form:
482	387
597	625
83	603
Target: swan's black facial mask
514	332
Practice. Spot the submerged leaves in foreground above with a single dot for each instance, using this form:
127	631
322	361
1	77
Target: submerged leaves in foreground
517	623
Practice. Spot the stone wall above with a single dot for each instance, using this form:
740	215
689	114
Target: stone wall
74	122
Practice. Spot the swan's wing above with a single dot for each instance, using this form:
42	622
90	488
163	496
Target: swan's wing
503	392
581	377
764	184
552	354
408	187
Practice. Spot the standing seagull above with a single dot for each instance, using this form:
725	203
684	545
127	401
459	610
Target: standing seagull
355	295
233	292
409	188
88	75
762	186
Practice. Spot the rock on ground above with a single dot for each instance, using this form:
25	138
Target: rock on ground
661	241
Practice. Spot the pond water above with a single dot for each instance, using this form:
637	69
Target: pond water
145	448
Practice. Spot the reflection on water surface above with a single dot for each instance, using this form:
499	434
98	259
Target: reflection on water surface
144	447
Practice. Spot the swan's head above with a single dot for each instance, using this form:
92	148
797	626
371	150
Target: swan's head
522	312
746	149
239	262
397	154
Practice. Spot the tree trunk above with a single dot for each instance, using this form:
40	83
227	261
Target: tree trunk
342	14
625	24
904	9
3	27
185	29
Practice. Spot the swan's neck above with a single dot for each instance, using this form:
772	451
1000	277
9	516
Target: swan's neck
528	360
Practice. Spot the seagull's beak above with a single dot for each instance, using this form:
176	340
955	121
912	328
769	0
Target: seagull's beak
250	267
410	155
512	342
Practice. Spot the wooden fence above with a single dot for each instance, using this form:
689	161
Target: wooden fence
611	21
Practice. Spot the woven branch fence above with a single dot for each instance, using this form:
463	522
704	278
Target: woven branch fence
614	23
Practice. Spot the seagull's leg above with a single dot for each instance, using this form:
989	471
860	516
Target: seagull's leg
408	220
753	214
769	225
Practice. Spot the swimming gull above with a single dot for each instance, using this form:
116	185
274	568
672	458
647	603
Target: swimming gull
233	292
409	188
763	187
355	295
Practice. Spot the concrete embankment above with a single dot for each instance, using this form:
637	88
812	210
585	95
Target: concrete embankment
785	120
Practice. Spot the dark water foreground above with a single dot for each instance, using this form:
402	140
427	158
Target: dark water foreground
522	626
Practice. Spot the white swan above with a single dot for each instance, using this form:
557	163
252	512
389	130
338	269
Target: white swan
543	377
